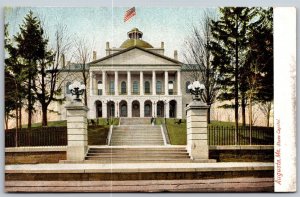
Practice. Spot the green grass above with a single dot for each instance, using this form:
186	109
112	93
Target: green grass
97	135
60	123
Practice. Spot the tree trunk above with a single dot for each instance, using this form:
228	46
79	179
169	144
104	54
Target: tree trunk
250	119
236	86
243	110
29	103
6	120
44	118
208	115
268	114
20	116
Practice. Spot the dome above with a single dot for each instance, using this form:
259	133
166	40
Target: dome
135	39
135	42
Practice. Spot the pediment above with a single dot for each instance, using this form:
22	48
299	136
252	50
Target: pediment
135	56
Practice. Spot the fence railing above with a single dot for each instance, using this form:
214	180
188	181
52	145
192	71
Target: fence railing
227	135
45	136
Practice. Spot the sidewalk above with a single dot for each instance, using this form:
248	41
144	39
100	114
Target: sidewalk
138	167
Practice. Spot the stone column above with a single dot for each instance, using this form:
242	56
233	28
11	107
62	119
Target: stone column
91	83
197	137
166	83
116	83
77	131
129	82
142	113
141	83
178	82
117	109
103	83
153	83
104	109
154	109
129	109
167	110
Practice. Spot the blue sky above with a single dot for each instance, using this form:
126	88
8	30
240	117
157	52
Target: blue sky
99	25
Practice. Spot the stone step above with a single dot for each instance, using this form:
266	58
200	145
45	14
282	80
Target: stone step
137	150
138	154
135	121
136	159
136	144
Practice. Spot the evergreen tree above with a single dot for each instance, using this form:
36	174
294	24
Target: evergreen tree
259	64
231	34
30	44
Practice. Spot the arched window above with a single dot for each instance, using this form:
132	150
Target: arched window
186	86
171	87
158	87
123	87
135	87
99	87
147	87
112	87
67	88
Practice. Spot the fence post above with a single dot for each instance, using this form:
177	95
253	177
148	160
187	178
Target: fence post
197	141
77	131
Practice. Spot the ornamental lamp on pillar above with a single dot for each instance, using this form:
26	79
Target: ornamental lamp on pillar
77	89
197	132
196	89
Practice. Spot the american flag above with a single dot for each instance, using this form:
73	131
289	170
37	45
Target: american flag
129	13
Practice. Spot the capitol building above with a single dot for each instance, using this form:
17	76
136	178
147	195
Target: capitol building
134	80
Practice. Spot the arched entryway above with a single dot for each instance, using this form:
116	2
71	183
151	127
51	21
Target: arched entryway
123	109
172	111
135	109
148	108
160	109
98	105
111	109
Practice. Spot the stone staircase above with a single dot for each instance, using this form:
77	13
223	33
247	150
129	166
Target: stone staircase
156	154
135	121
136	132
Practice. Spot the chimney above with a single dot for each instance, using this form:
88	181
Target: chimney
94	55
162	45
107	45
175	55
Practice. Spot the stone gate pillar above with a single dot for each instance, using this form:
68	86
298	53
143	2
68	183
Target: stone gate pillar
197	137
77	131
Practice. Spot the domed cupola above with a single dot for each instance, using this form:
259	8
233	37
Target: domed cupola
135	39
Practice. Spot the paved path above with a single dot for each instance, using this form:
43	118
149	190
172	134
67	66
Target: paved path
138	167
245	184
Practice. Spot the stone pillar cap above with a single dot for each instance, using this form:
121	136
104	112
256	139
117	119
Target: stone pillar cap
74	105
197	105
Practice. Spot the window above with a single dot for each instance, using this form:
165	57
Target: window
123	87
170	87
112	87
186	86
67	88
100	87
135	87
147	87
158	87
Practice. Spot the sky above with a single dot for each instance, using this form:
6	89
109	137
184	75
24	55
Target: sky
101	24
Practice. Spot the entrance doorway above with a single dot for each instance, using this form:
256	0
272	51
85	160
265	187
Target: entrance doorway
148	109
98	109
172	111
135	109
123	109
160	109
110	109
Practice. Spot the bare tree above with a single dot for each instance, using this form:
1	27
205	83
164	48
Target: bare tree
49	82
198	58
83	55
265	108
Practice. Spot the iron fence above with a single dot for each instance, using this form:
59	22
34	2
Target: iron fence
228	135
44	136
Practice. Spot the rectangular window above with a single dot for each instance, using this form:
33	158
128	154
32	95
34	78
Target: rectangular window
112	87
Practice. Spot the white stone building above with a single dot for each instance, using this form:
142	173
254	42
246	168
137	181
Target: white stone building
135	80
